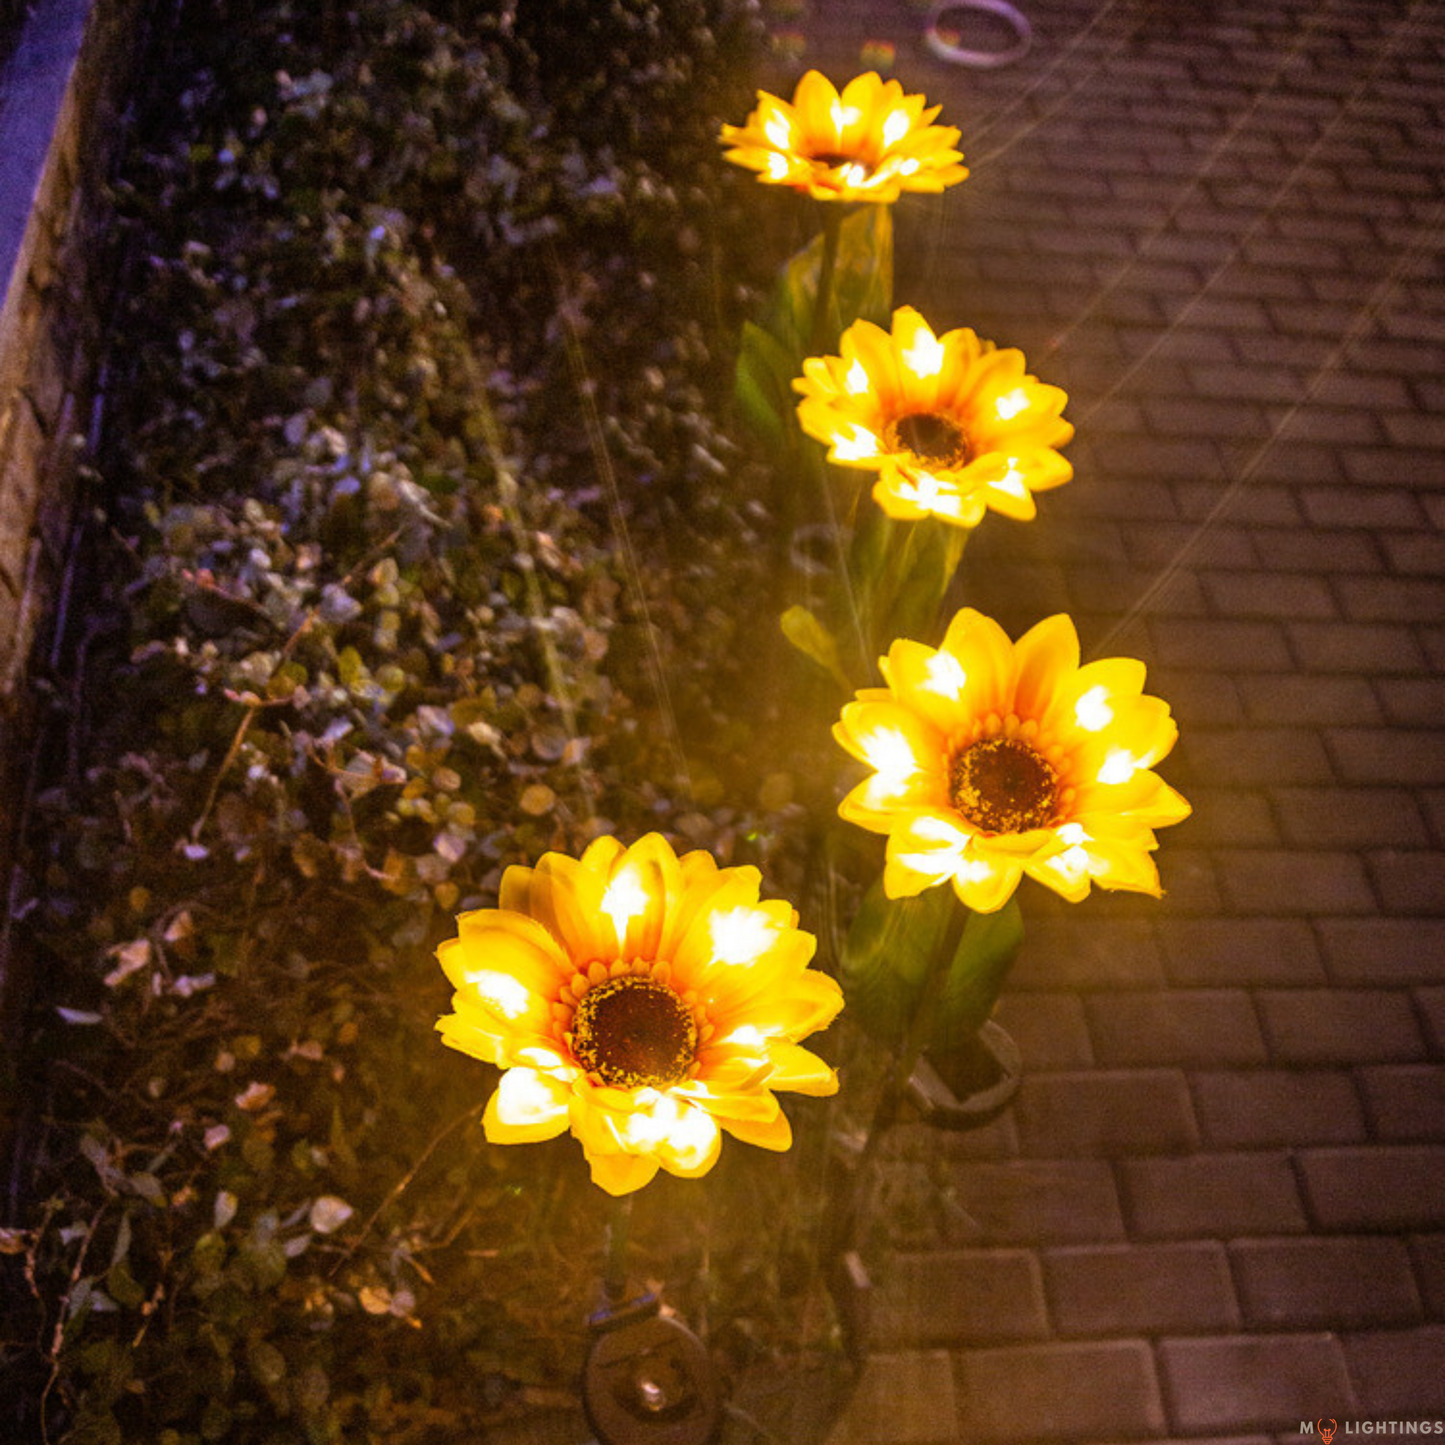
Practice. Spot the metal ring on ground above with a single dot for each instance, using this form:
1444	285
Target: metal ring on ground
980	59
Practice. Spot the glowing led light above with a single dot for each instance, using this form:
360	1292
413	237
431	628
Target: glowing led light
1073	834
777	166
624	899
741	935
778	130
857	379
924	357
1071	862
526	1098
747	1036
855	175
1011	404
1118	767
1012	481
926	490
895	127
888	751
855	445
502	993
944	675
844	115
908	167
1092	711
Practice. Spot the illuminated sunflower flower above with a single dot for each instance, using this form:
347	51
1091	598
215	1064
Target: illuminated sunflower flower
995	759
951	424
645	1001
868	144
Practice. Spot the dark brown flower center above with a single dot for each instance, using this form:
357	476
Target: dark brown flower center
1001	785
930	437
833	159
634	1031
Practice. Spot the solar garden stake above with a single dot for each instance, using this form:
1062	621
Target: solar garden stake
647	1379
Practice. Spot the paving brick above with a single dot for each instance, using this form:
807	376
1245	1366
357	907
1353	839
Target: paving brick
1405	1103
1362	507
1257	503
1064	950
1349	817
1240	1382
907	1399
1399	1374
1298	699
1209	952
1337	425
1409	882
1414	552
1410	756
1052	1201
955	1297
1269	594
1228	645
1140	1289
1104	1113
1316	549
1256	755
1431	1004
1339	1026
1412	701
1063	1392
1409	429
1049	1029
1264	1108
1428	1253
1252	383
1238	818
1261	880
1393	466
1343	1283
1391	599
1366	647
1158	544
1195	1026
1383	950
1384	1188
1211	1195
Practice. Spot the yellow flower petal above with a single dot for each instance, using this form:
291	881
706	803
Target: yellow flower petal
526	1108
619	1173
730	973
1032	764
953	425
776	1134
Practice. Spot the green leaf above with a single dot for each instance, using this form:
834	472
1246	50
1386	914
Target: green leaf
763	384
990	943
862	283
814	641
891	947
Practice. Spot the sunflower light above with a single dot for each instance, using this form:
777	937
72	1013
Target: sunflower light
954	426
646	1002
869	142
1032	765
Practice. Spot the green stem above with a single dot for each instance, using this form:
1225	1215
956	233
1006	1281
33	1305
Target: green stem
915	1040
844	1235
614	1269
823	301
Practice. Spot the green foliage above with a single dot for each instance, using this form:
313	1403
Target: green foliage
376	639
892	947
773	348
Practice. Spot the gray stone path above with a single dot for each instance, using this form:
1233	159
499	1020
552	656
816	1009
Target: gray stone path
1218	1206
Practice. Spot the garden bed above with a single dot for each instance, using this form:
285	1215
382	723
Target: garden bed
419	522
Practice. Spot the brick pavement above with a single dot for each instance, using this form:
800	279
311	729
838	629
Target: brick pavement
1218	1205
